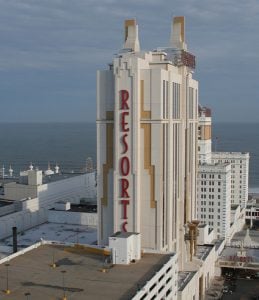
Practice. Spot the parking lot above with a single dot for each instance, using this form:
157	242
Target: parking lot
240	284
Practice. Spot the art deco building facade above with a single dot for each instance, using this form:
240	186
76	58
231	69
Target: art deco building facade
222	182
147	110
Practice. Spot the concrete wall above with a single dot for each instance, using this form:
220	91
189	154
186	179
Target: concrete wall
68	217
208	269
14	191
191	290
236	226
22	220
163	285
205	236
8	209
201	281
71	189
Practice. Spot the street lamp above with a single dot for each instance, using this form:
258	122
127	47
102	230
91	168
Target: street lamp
27	295
7	291
53	264
63	283
77	236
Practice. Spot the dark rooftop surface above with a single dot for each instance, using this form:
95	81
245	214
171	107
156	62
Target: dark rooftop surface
184	278
202	225
202	252
5	202
234	206
84	208
84	280
123	234
218	243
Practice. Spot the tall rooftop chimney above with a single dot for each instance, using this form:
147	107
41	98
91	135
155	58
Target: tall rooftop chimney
131	35
177	39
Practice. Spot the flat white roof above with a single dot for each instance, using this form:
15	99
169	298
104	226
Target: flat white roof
82	234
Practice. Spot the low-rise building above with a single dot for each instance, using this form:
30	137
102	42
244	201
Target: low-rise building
88	272
27	203
53	188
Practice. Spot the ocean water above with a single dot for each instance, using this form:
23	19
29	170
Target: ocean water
69	144
242	138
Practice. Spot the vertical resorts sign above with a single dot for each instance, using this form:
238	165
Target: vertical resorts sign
124	161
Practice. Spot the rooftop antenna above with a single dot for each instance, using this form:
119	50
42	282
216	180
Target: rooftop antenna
89	165
10	171
31	167
3	172
56	169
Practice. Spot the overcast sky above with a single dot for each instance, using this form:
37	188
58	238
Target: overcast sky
50	51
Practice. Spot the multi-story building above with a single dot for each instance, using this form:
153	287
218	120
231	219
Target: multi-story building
230	170
204	135
213	197
239	162
147	107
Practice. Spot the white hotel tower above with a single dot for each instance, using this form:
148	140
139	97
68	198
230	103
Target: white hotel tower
222	182
147	118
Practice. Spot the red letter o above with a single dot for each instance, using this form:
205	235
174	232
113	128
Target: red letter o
125	166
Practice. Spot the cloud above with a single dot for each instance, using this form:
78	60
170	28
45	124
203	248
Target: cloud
78	37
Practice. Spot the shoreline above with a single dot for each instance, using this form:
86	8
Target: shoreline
253	190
